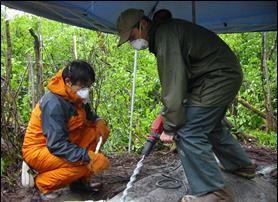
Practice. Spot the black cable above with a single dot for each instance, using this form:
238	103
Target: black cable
164	183
170	180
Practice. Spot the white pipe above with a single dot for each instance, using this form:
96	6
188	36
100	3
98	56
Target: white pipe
132	100
74	47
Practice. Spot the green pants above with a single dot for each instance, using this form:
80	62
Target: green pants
203	134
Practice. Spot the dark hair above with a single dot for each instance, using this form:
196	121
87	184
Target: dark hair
79	70
162	15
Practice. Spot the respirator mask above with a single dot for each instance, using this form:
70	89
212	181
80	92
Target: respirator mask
84	94
140	44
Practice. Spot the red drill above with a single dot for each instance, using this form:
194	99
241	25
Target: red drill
157	128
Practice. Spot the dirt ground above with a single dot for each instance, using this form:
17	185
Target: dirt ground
115	179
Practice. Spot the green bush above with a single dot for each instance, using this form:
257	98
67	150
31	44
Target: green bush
265	139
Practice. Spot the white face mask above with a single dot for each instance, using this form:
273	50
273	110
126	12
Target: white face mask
140	44
83	93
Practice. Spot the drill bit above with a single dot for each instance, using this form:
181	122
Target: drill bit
133	178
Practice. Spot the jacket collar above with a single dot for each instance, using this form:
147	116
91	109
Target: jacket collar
57	86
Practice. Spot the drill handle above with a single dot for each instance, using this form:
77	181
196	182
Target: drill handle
157	126
151	141
148	147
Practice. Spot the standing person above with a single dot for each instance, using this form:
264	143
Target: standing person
62	134
200	76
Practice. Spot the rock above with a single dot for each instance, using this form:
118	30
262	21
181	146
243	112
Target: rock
269	173
255	190
145	190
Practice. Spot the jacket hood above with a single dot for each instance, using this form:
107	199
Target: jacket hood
57	86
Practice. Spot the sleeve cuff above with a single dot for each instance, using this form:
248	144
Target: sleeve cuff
169	130
86	157
171	133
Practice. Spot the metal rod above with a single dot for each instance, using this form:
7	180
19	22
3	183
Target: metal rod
74	47
132	101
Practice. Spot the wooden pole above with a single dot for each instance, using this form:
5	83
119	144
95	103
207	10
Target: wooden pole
39	91
31	80
8	57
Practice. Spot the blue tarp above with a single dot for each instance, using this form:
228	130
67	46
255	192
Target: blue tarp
218	16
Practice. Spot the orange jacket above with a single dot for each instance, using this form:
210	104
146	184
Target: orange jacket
58	122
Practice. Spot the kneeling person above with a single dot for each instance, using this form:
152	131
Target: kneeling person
63	132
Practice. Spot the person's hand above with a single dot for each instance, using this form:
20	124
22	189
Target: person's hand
98	162
102	130
164	137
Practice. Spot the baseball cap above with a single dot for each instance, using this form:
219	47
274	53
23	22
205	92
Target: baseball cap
126	21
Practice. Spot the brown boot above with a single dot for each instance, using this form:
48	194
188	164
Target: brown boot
223	195
248	172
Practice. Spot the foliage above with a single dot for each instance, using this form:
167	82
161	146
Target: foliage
6	162
265	139
3	165
111	96
247	47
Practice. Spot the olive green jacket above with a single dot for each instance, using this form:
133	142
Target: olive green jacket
196	68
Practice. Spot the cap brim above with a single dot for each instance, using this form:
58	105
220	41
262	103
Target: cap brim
124	37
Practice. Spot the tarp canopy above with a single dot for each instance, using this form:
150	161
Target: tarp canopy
218	16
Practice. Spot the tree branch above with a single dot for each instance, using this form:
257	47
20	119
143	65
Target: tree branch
250	107
274	45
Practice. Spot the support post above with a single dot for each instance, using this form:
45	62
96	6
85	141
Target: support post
132	101
74	47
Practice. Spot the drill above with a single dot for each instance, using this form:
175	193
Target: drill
156	130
